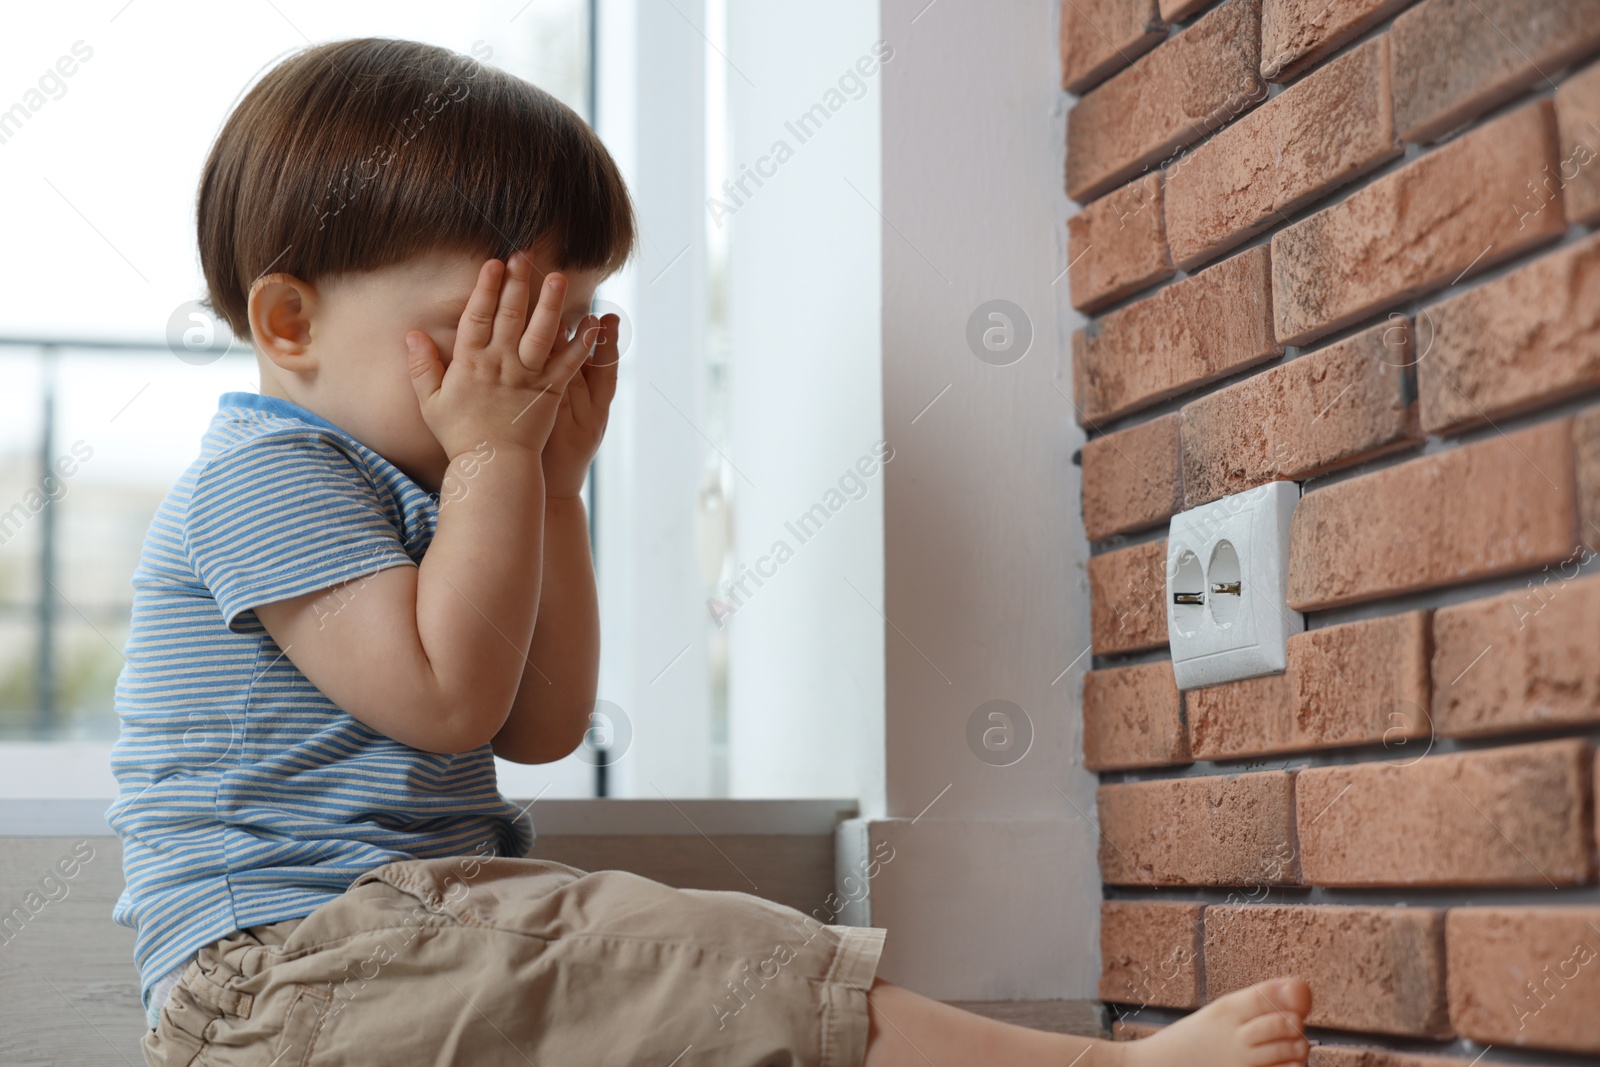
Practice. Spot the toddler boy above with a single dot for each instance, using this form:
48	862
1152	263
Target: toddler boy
375	577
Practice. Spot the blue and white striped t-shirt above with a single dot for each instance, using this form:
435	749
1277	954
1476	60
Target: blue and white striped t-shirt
245	796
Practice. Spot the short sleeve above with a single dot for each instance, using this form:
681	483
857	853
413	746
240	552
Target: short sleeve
282	515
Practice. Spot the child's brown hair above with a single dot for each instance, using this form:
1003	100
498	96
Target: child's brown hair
359	154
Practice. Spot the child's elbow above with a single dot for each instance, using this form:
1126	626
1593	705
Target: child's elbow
543	746
435	730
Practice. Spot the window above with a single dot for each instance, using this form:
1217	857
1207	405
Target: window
750	392
749	134
99	416
92	439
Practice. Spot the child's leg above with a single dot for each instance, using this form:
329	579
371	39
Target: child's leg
1254	1027
517	961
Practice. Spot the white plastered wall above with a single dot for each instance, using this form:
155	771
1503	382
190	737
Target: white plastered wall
993	891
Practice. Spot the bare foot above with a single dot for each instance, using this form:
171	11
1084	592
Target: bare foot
1261	1026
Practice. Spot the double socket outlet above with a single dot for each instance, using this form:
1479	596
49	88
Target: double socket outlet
1228	615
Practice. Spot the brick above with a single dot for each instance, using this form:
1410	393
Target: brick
1328	409
1356	1056
1297	33
1118	245
1453	211
1123	1030
1133	717
1127	599
1456	59
1529	338
1184	336
1187	87
1132	478
1375	969
1150	953
1359	683
1100	37
1503	816
1320	133
1522	660
1586	446
1526	976
1578	120
1502	504
1211	830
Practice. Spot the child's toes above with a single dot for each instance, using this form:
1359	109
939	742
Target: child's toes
1290	995
1276	996
1279	1052
1273	1026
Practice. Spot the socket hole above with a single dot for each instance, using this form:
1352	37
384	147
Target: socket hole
1188	593
1225	588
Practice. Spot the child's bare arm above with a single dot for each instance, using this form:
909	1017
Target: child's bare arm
551	712
433	656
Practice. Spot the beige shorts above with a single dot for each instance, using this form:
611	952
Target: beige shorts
517	962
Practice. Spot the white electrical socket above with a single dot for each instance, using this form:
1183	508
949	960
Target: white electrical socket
1228	615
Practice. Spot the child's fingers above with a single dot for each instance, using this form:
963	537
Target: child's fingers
592	333
422	359
477	320
509	319
565	361
544	325
578	389
603	337
600	372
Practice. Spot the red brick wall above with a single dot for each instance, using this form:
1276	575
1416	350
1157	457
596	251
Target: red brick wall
1349	243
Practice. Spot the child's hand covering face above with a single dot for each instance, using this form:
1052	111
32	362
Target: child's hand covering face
585	407
585	401
338	347
509	367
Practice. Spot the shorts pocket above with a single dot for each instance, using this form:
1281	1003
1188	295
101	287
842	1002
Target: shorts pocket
302	1025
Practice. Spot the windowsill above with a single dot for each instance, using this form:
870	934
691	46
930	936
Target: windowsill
59	816
39	770
67	794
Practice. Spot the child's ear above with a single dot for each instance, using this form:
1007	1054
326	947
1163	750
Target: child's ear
280	308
